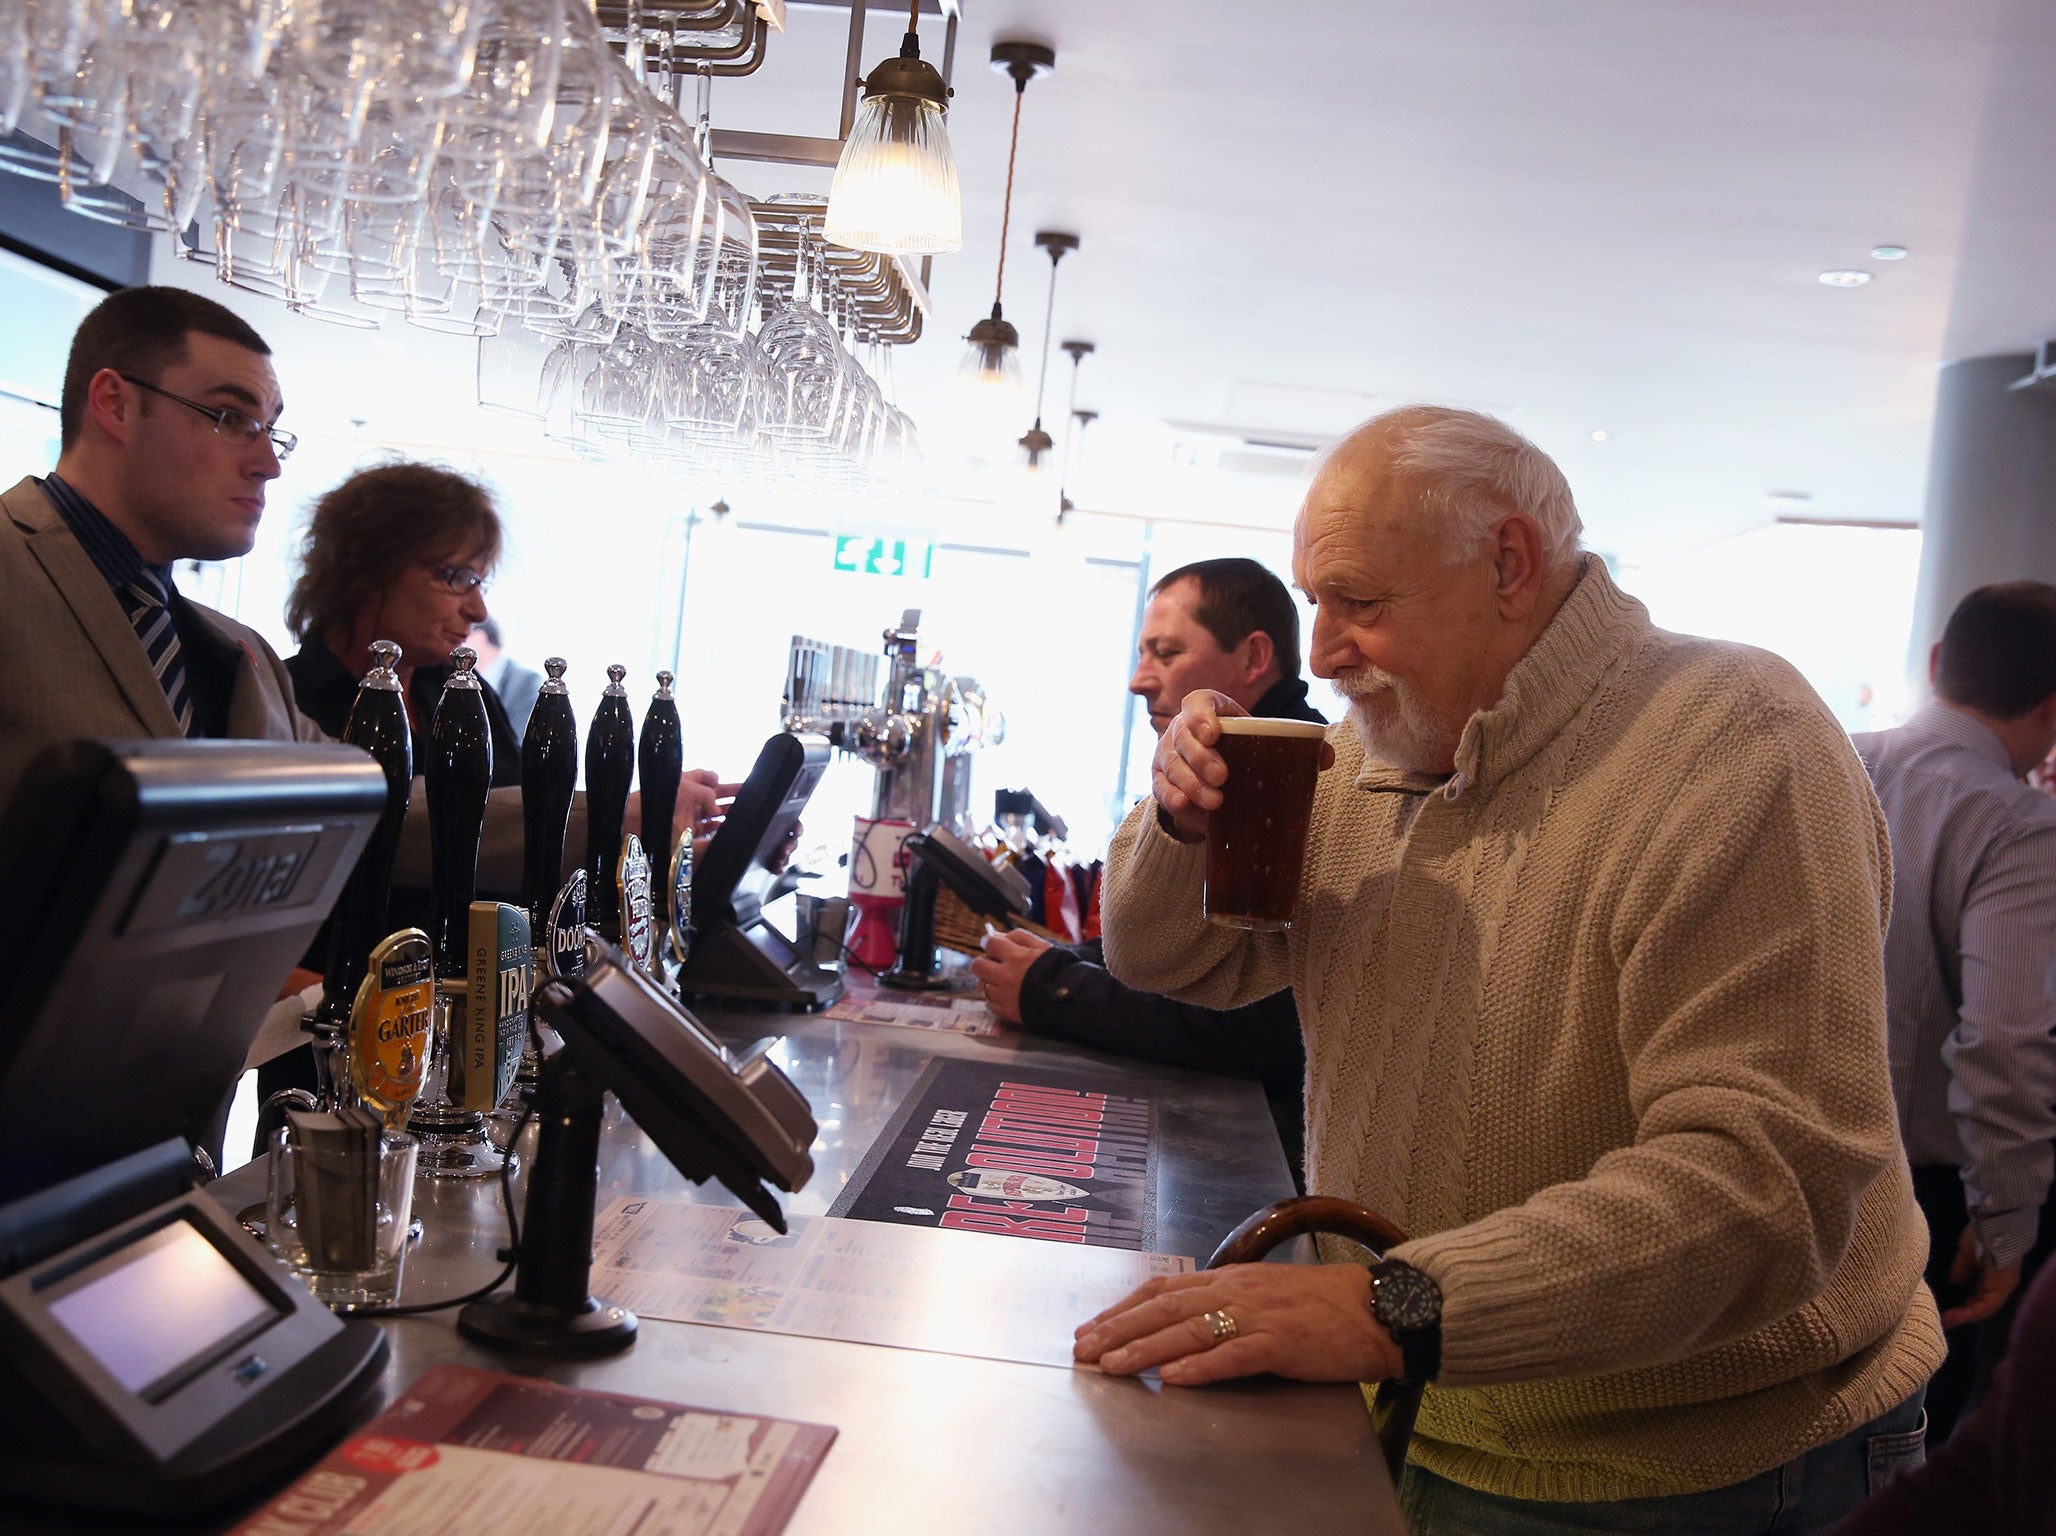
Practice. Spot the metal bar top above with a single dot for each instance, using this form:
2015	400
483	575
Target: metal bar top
1219	1157
978	1444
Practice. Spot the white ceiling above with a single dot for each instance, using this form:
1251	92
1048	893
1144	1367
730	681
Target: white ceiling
1591	214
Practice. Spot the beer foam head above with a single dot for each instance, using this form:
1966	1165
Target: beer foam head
1245	725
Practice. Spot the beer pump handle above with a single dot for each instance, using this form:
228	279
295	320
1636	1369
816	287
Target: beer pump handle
459	771
378	724
660	757
609	769
549	769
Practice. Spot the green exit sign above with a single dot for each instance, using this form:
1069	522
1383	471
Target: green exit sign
865	556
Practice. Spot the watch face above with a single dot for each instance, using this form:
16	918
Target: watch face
1407	1299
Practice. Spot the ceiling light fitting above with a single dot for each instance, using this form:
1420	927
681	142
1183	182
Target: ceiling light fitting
1077	351
895	188
1888	253
1037	445
1846	277
989	377
792	148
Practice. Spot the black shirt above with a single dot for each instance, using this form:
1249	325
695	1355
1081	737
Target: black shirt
1286	700
327	692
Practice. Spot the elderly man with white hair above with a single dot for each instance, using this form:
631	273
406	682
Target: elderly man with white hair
1588	954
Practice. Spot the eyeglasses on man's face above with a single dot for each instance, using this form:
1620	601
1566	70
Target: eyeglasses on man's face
460	579
237	426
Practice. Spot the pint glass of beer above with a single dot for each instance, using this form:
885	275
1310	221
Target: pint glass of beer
1255	842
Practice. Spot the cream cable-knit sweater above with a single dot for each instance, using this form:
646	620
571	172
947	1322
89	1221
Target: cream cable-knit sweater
1600	1020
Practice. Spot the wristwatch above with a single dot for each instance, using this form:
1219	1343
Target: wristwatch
1409	1304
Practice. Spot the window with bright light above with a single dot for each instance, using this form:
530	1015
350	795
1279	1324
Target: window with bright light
1837	603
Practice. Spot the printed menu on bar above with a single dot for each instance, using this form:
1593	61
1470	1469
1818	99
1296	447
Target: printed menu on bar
467	1452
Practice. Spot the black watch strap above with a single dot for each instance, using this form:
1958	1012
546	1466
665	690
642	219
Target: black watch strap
1409	1305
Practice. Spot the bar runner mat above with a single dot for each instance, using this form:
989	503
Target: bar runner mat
467	1452
1026	1152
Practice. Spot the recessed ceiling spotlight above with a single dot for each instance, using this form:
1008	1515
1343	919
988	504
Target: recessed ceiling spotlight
1600	434
1781	498
1845	277
1888	253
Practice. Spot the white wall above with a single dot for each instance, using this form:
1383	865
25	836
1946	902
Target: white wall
1835	602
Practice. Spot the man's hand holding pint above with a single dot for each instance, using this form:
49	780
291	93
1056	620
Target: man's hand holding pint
1187	773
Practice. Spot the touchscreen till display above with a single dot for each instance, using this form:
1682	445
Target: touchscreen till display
166	1299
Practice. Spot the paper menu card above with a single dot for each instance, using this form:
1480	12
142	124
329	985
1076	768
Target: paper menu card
467	1452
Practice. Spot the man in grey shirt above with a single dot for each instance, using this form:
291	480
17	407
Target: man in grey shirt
1970	957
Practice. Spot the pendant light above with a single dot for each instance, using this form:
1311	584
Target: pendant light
989	378
1078	351
1037	446
895	186
1080	420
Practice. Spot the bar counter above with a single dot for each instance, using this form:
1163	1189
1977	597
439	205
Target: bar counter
948	1442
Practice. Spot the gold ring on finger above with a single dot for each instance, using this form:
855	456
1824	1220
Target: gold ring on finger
1223	1326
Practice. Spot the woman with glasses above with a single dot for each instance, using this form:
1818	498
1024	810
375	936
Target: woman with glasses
403	553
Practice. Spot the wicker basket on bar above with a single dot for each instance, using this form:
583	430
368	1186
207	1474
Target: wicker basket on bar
957	927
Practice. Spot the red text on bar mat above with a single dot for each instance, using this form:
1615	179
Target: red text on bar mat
1014	1151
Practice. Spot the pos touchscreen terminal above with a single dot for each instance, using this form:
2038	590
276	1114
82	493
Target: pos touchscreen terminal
153	896
714	1113
736	952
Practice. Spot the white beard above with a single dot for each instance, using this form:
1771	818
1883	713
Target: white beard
1409	737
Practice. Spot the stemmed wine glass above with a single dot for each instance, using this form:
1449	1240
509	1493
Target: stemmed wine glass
803	359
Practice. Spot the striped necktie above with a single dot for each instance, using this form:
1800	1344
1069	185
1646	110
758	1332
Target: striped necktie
147	611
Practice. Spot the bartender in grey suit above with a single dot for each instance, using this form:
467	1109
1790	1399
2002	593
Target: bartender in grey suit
169	438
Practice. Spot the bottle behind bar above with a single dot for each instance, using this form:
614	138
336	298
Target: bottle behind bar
378	724
660	756
549	770
609	769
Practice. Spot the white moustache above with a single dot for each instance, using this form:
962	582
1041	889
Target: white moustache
1365	682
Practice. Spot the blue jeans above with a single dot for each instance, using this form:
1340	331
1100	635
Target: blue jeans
1805	1496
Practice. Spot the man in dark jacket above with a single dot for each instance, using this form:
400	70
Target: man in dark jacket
1223	624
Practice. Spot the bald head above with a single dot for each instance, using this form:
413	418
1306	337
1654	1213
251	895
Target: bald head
1435	546
1456	474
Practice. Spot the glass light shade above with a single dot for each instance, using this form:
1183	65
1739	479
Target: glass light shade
1035	454
895	186
988	399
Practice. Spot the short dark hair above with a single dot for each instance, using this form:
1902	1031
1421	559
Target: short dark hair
1998	652
374	525
141	331
1237	597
